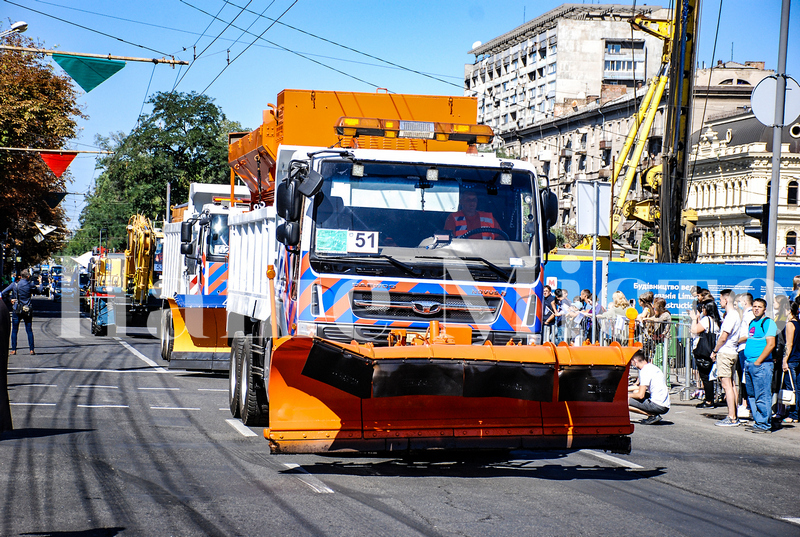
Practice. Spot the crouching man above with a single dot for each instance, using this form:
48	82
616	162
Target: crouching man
650	395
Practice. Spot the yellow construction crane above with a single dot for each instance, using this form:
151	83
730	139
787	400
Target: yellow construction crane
676	237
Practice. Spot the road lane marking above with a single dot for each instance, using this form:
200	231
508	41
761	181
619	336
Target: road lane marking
141	356
78	370
212	389
300	473
103	406
96	386
173	408
170	389
793	520
33	404
239	426
611	459
37	386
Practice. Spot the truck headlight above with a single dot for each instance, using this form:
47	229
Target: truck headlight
306	329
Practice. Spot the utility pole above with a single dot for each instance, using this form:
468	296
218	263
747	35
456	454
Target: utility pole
780	104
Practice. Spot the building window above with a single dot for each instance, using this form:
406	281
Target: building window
551	68
613	48
791	195
791	240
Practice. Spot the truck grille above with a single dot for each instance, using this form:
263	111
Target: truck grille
425	307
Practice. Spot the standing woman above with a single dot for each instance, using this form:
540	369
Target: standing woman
706	321
791	360
21	293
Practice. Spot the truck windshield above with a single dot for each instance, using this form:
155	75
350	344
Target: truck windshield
426	216
218	237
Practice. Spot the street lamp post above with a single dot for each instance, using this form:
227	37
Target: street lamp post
19	27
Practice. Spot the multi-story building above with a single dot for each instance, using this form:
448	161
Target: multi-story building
731	166
566	54
574	120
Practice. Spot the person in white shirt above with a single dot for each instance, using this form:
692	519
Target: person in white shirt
650	396
726	356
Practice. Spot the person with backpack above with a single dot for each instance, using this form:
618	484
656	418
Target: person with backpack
21	294
705	325
761	341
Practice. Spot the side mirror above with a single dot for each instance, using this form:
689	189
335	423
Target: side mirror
187	248
552	242
549	208
311	184
186	232
288	233
288	201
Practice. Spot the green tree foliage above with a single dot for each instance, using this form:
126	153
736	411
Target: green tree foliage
38	109
184	140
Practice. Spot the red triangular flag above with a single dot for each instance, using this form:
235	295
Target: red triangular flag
58	161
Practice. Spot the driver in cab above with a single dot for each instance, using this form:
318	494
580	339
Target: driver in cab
469	219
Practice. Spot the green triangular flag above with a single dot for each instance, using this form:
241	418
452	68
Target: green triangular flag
88	72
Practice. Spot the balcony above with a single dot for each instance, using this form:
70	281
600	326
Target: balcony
604	144
566	153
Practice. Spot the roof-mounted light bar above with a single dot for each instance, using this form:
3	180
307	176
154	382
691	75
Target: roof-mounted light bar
421	130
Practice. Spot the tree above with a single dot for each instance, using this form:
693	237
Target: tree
38	109
184	140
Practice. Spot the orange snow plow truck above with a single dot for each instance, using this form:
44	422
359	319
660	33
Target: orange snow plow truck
373	306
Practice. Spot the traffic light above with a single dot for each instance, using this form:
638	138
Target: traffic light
760	213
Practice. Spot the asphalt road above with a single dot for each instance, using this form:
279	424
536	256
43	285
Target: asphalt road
107	441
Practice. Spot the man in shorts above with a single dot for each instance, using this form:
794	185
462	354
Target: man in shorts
726	354
650	396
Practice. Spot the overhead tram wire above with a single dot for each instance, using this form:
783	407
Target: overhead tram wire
218	35
288	50
194	58
87	28
345	47
184	49
708	89
251	43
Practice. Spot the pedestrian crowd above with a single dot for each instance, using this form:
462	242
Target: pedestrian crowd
755	360
743	360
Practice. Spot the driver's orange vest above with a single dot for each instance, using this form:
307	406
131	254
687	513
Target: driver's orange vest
487	220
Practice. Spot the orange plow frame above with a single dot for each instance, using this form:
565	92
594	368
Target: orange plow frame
326	396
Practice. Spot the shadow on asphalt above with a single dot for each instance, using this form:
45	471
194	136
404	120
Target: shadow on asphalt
476	465
31	432
94	532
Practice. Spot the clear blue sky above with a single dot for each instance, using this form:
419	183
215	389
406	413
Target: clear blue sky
430	36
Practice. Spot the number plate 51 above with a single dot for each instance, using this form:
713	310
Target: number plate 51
362	241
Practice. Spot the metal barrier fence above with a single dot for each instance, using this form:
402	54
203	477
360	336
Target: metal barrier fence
667	344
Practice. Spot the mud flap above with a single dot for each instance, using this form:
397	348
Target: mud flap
595	383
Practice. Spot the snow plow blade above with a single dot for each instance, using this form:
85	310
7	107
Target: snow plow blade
328	396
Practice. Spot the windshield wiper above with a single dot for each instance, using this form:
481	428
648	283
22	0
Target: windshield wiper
399	264
494	268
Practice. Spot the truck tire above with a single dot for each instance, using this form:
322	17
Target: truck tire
253	404
234	370
167	334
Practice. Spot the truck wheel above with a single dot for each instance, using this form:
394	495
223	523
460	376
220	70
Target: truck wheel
253	404
234	368
167	334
